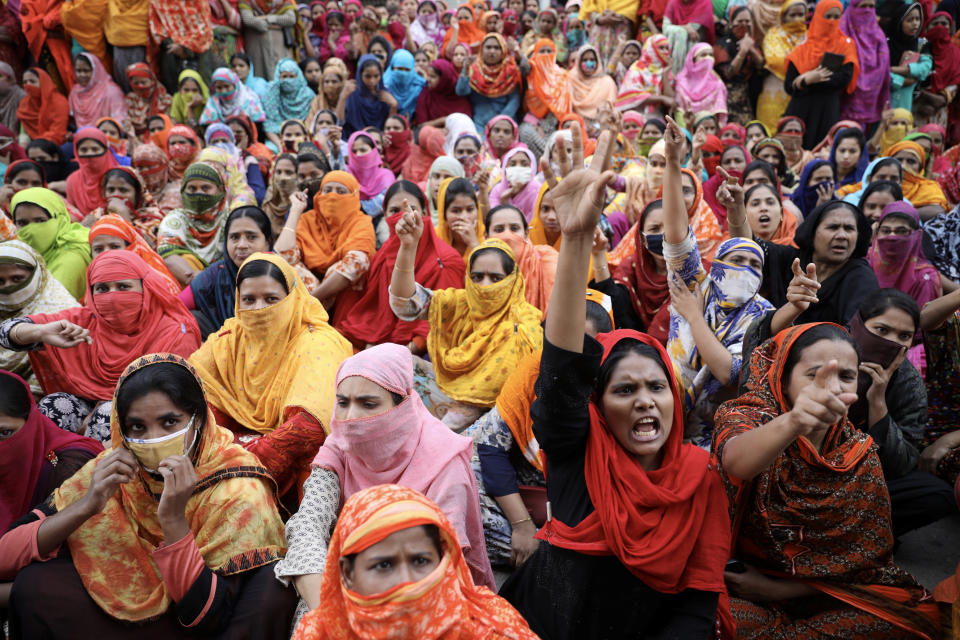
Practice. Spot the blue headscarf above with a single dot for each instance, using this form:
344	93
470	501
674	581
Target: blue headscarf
404	85
854	198
255	83
287	98
805	197
857	174
364	108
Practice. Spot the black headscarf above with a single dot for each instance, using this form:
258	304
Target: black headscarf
897	41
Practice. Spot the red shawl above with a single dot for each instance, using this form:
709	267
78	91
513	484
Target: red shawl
946	55
83	185
91	371
441	100
44	113
398	150
669	527
681	12
22	457
429	147
364	317
648	290
38	19
825	36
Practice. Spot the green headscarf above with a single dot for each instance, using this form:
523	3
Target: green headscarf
200	203
64	245
179	108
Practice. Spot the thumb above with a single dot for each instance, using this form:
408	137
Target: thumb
812	271
795	267
824	373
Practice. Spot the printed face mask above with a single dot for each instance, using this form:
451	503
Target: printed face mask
150	452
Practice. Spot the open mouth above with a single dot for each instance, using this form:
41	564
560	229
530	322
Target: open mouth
838	248
764	219
645	430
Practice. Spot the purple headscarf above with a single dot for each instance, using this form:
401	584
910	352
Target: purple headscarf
899	261
866	104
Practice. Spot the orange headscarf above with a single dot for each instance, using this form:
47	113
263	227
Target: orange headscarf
513	405
45	112
469	32
538	235
335	226
232	515
113	225
548	87
446	604
918	190
825	36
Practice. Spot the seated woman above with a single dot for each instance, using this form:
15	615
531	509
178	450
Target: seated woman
609	419
879	170
364	164
211	295
230	97
509	465
419	593
773	151
849	156
44	224
537	263
95	94
518	185
363	316
493	81
26	288
190	99
113	233
92	152
459	222
367	103
815	186
125	195
268	373
81	352
792	462
20	175
282	182
897	257
190	239
381	434
477	334
545	226
190	516
875	199
767	216
331	244
926	195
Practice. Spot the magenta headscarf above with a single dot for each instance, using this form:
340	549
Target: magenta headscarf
866	104
373	178
699	88
526	200
681	12
406	445
899	262
489	128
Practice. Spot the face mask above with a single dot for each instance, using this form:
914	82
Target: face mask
736	284
181	155
201	202
519	175
225	95
429	20
654	242
576	38
739	31
120	310
366	162
39	235
285	185
150	452
791	141
589	65
312	187
873	348
711	164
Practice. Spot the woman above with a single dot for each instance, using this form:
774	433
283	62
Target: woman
476	333
44	224
28	288
364	164
287	98
398	143
370	103
56	166
880	169
268	374
335	75
876	197
92	151
266	24
548	86
518	185
790	132
189	239
849	156
182	148
283	183
867	102
648	82
153	167
426	27
739	62
190	100
492	82
45	112
769	219
147	98
11	95
439	98
230	97
698	86
816	186
778	42
607	475
537	263
910	64
20	175
443	575
333	242
414	450
459	222
216	536
547	28
95	94
360	314
897	258
403	82
814	89
428	147
800	385
590	87
441	169
124	193
114	233
924	194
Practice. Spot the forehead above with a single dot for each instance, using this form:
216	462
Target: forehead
506	216
840	215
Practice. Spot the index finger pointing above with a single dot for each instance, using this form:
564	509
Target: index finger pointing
824	373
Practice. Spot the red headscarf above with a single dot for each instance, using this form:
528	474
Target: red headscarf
364	316
946	55
825	36
44	113
713	145
700	12
83	186
429	147
124	325
441	100
668	526
23	454
497	80
180	156
398	150
739	129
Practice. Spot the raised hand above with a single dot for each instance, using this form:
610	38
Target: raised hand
298	203
824	193
409	228
730	193
818	407
674	138
687	303
116	468
803	287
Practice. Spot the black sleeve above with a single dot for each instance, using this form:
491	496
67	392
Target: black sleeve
758	332
623	314
857	285
788	79
840	78
777	262
900	432
219	610
691	614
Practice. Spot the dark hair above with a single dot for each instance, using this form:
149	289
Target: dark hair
504	207
314	159
884	162
881	186
398	118
763	185
14	398
505	261
657	122
241	56
259	218
173	380
763	128
286	156
257	268
653	205
599	317
458	187
47	146
80	57
821	163
407	187
761	165
851	132
308	60
466	137
292	122
432	531
879	301
126	177
370	62
734	148
24	165
811	336
533	14
364	136
620	351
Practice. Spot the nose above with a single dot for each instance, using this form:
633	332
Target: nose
644	399
260	304
405	573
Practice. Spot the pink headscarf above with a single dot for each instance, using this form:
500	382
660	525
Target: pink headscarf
406	445
102	97
899	262
526	200
699	88
373	178
494	120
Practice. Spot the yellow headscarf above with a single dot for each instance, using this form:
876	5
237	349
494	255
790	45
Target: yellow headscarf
893	135
443	229
538	234
265	360
232	515
478	334
918	190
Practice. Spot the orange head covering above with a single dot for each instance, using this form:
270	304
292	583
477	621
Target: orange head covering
918	190
335	226
824	36
548	85
444	604
538	233
911	146
443	229
494	81
113	225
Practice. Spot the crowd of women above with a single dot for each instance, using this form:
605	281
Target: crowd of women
312	317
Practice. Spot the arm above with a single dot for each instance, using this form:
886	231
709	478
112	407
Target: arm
463	88
676	223
689	305
348	89
409	229
255	179
936	312
59	333
897	415
287	239
801	293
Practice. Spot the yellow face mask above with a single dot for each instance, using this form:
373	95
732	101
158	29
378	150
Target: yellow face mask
150	452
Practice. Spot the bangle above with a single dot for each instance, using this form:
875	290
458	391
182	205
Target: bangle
527	519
